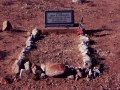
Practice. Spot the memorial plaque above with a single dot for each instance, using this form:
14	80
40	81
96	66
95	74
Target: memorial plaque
59	18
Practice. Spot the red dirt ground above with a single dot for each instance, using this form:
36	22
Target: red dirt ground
102	18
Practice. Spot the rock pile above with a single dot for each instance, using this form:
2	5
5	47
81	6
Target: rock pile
87	61
22	66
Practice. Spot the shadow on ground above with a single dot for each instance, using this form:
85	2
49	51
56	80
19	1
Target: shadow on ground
95	32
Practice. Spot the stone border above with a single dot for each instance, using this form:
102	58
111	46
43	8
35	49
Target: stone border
88	67
55	69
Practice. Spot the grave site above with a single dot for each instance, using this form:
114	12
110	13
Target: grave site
59	45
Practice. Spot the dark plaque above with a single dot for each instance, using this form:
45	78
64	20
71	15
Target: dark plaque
59	18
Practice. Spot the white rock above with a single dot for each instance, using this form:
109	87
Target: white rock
71	77
23	73
96	71
34	68
83	48
23	51
87	61
43	75
85	53
79	73
29	41
90	73
85	41
83	44
76	1
84	38
54	69
43	67
21	56
34	33
27	48
16	66
86	58
27	65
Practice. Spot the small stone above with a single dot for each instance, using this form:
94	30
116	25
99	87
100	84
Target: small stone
28	33
77	77
6	26
54	69
83	48
35	33
43	67
43	75
27	66
90	75
79	73
71	77
21	56
75	1
29	41
84	38
27	48
34	68
16	66
87	61
23	51
24	73
96	71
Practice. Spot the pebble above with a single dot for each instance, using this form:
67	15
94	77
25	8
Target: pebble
27	65
23	74
96	71
16	66
28	33
34	68
6	26
21	56
43	67
35	33
71	77
77	77
79	73
43	75
75	1
29	42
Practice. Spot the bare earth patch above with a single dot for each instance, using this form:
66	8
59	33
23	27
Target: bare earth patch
61	47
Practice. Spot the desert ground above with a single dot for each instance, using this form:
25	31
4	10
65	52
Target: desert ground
101	20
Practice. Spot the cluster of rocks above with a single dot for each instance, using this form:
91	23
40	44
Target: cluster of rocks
22	66
88	68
